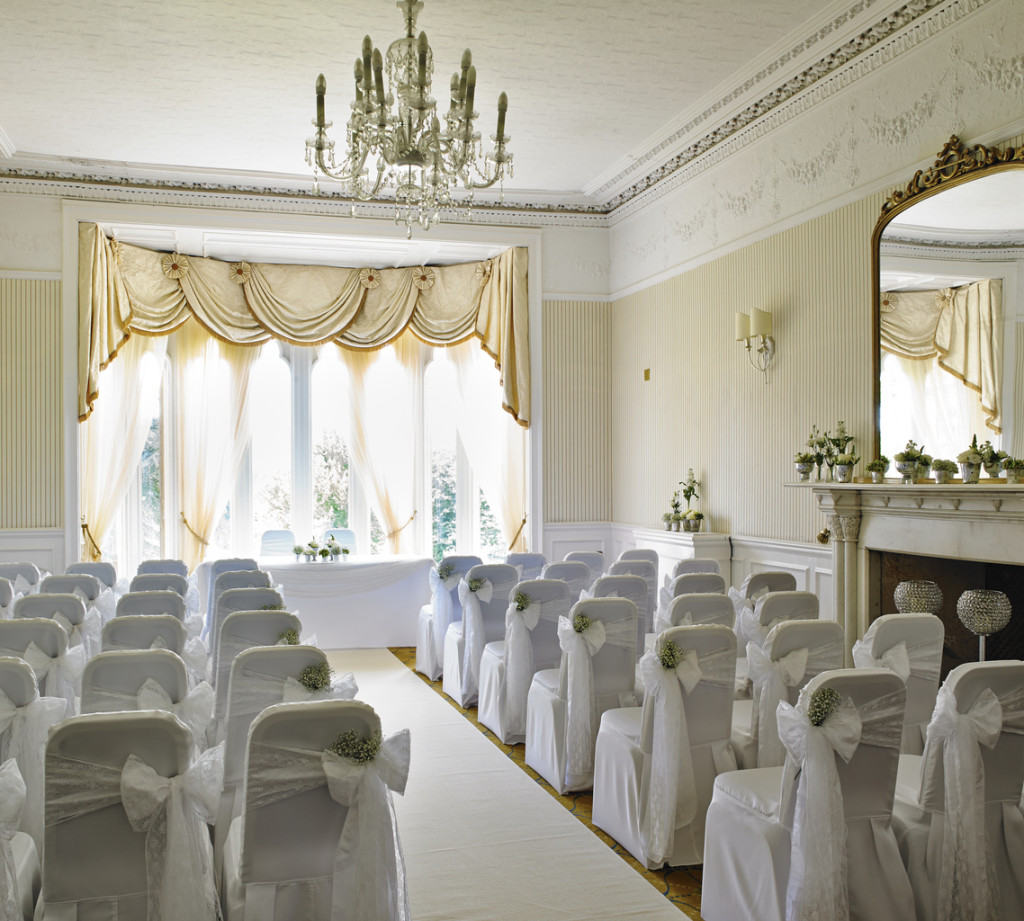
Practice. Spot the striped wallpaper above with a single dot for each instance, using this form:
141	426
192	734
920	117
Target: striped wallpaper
31	426
705	407
577	411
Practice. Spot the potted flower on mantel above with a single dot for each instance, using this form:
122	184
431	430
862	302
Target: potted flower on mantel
970	462
991	458
910	461
804	461
943	470
1013	470
877	468
844	466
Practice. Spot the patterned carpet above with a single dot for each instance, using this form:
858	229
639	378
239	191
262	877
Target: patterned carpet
680	885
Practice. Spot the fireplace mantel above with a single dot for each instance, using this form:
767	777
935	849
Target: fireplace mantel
983	522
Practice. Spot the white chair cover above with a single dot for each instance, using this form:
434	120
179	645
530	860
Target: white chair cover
757	584
697	608
23	732
648	571
575	573
697	564
171	810
12	801
159	601
176	567
686	584
624	586
59	675
473	633
840	859
145	631
6	598
770	609
910	645
594	559
159	582
443	610
963	834
257	691
528	565
231	601
24	577
653	781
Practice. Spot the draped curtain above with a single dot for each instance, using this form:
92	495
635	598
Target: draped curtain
124	287
114	435
956	329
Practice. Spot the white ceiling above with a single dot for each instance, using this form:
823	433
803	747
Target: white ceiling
224	90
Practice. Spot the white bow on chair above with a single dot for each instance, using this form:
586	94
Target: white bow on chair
473	637
179	866
105	605
518	663
194	710
22	586
196	660
895	658
61	675
88	634
579	647
770	678
12	800
441	604
817	874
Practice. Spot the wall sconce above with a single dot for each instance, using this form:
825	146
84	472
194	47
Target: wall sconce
757	326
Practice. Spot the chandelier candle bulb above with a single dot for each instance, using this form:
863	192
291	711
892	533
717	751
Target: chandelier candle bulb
321	90
502	109
467	60
742	327
367	60
421	62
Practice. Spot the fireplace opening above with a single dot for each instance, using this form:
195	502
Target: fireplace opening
954	577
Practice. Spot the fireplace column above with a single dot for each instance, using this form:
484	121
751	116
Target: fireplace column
842	514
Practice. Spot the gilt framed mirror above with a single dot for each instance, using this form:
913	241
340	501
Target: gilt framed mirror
948	305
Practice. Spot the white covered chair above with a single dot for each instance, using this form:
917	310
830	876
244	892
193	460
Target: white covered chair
343	537
655	767
443	610
159	582
105	572
625	586
696	608
175	567
689	583
757	584
695	564
300	850
243	630
770	609
82	625
230	602
531	643
236	578
794	652
216	567
25	721
647	571
813	839
483	621
23	576
6	598
154	602
958	816
641	553
277	542
19	856
564	705
529	565
575	573
85	586
145	631
910	645
43	643
128	807
260	678
594	559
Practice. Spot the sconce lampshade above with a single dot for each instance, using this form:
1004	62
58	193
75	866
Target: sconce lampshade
742	327
760	323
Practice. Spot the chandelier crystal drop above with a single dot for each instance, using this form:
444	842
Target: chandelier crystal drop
395	140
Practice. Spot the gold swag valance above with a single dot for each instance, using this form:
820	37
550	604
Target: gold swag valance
124	289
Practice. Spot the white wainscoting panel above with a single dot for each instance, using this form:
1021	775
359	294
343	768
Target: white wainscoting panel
560	538
42	546
811	565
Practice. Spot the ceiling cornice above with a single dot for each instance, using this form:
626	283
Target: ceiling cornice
822	77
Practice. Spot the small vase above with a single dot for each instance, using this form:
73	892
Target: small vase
805	471
298	557
844	473
918	597
668	525
1013	475
675	525
877	476
818	477
830	477
907	471
970	473
942	477
993	469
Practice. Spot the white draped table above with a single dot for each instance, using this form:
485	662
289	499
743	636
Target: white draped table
364	602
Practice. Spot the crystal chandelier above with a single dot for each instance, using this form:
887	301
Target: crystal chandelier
406	148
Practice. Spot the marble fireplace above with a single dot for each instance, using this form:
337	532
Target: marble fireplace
959	536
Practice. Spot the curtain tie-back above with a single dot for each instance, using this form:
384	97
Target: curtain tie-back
404	526
522	525
192	531
95	551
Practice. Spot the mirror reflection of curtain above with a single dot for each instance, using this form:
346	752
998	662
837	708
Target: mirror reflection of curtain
941	367
211	428
112	438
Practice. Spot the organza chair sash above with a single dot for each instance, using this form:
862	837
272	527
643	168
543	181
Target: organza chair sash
671	793
22	586
519	665
770	678
88	634
179	858
12	800
194	710
473	633
255	691
369	841
23	733
749	628
922	660
105	604
61	674
818	871
442	606
968	887
579	648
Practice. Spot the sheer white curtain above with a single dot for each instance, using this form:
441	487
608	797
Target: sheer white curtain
211	430
382	432
494	443
112	438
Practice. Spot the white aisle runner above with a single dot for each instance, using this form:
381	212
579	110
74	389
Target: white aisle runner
483	841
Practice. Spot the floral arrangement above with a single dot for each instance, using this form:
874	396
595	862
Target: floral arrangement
289	637
840	439
694	515
990	455
972	455
316	677
941	464
313	544
298	549
879	465
689	485
272	607
805	457
846	460
475	584
824	702
581	623
676	506
819	444
1010	464
445	570
355	747
667	516
829	448
324	553
912	454
522	601
671	654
